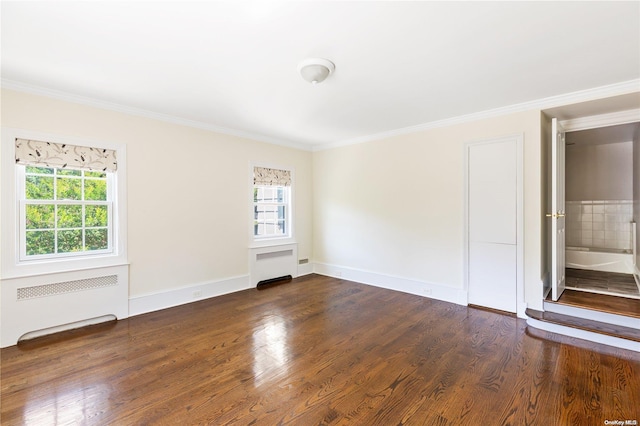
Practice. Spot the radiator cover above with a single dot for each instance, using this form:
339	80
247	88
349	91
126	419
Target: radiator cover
274	261
58	301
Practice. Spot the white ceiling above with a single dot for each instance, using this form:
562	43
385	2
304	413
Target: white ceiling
232	65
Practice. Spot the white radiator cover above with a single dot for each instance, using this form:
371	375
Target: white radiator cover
57	301
274	261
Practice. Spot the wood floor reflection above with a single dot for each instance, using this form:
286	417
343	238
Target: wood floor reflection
317	351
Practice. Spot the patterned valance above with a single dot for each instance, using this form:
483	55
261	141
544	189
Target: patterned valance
271	177
58	155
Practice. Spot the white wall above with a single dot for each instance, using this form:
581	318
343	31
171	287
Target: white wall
599	172
395	207
392	207
188	189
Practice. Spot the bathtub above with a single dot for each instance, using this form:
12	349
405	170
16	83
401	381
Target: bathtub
601	259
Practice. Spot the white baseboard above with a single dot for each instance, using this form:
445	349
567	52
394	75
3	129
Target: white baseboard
305	269
405	285
187	294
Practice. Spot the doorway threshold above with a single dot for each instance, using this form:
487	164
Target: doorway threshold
615	305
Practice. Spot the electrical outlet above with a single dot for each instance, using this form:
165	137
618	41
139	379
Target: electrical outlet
197	294
426	291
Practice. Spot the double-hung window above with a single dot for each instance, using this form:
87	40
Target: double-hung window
66	200
271	203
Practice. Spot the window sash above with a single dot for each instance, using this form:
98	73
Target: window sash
276	215
56	229
23	202
271	211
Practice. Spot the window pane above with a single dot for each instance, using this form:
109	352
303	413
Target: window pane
95	174
69	216
97	239
40	170
69	189
69	241
69	172
281	227
281	212
95	189
96	216
40	242
40	216
39	188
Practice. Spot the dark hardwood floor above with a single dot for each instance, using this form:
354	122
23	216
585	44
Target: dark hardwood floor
317	351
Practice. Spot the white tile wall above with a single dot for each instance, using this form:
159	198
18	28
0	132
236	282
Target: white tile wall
599	224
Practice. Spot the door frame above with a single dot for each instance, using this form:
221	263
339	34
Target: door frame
572	125
518	138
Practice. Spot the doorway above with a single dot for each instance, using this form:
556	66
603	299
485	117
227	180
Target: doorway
602	196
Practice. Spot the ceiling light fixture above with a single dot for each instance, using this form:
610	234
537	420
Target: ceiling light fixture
315	70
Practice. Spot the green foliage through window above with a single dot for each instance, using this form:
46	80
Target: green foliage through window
65	211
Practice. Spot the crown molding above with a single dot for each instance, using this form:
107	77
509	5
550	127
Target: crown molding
616	89
110	106
602	120
601	92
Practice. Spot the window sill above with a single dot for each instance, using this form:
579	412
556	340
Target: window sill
271	242
54	266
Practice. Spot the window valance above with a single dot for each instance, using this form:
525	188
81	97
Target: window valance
57	155
271	177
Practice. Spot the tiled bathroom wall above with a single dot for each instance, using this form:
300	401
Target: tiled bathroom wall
599	224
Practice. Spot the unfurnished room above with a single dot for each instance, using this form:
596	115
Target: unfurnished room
319	213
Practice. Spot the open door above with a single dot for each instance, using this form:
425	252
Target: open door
557	214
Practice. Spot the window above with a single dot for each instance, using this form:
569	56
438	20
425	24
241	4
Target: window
271	203
64	212
66	204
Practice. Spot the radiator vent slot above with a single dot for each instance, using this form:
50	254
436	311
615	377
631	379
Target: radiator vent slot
66	287
274	254
277	280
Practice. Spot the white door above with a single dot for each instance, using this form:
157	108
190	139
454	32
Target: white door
492	213
557	214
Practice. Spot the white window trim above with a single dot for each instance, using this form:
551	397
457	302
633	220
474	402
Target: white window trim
271	241
11	265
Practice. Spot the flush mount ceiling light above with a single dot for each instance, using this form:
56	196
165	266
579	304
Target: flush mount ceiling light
315	70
